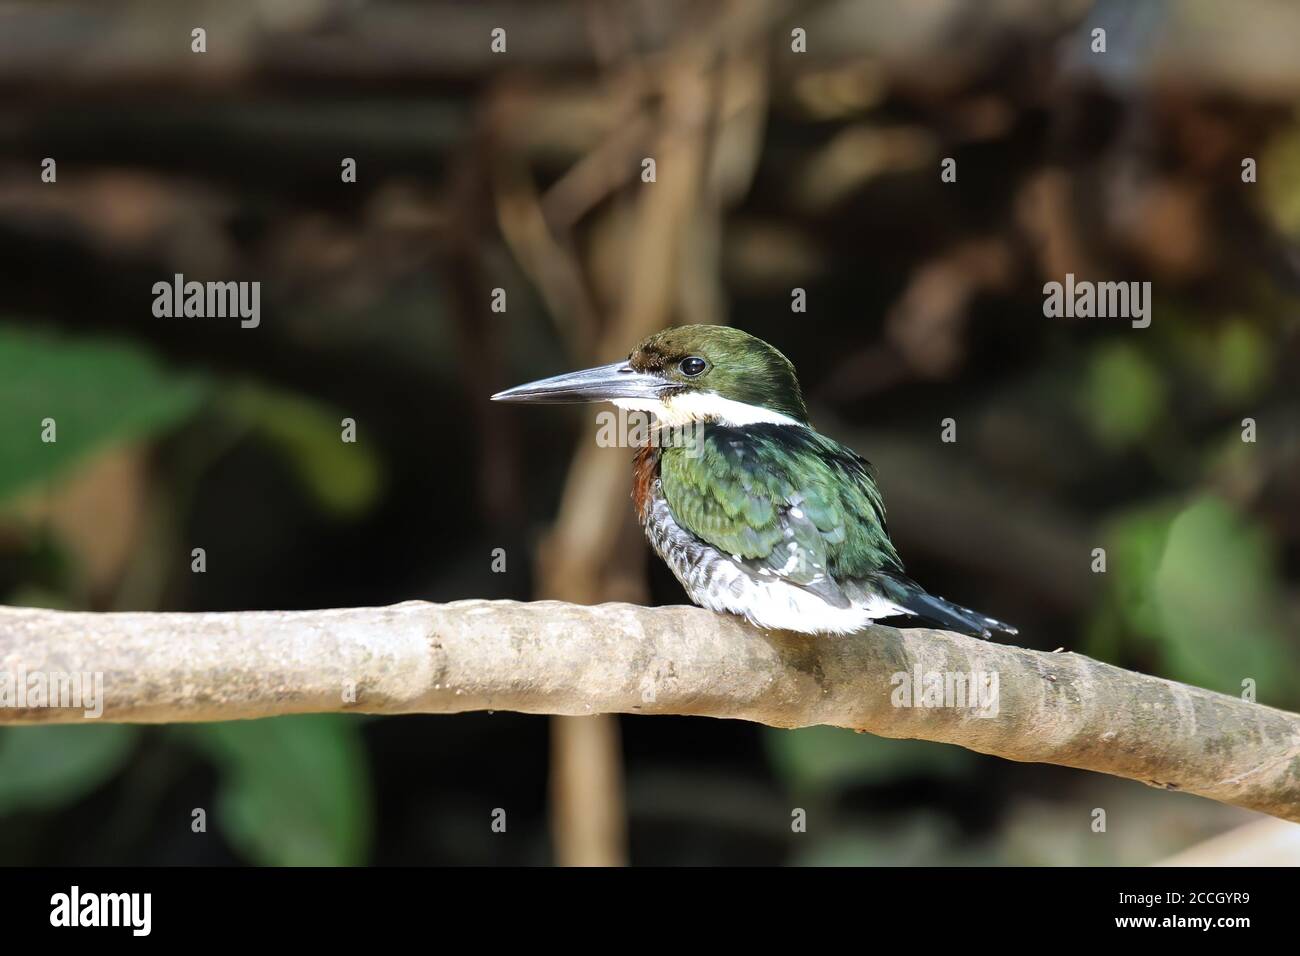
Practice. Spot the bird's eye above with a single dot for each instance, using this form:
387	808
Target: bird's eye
693	366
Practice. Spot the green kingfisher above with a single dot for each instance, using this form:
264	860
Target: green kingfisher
756	513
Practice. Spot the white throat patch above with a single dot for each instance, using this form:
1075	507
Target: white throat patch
696	406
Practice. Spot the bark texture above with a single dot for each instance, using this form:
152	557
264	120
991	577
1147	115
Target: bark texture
549	657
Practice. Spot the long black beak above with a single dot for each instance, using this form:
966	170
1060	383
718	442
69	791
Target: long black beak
616	380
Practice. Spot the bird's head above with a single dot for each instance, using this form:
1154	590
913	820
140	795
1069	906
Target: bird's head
685	374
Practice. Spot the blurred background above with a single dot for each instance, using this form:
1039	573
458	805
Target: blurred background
776	168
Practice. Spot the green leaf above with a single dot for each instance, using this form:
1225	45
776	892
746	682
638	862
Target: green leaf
1217	592
920	838
1279	181
1202	586
1241	362
97	392
827	757
1136	546
49	766
1124	395
343	477
294	791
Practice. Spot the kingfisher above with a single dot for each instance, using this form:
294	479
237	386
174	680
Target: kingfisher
756	513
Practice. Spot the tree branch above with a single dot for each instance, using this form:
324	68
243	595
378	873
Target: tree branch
549	657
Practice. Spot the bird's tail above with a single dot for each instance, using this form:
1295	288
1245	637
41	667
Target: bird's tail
928	609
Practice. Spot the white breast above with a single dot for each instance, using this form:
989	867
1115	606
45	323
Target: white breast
722	582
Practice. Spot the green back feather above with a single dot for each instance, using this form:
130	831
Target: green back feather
784	496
